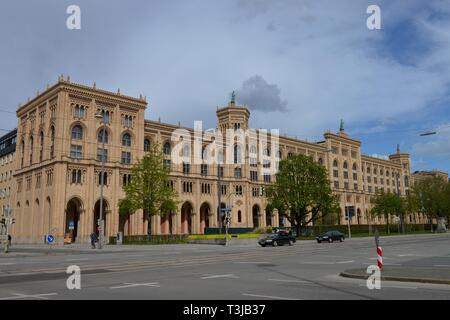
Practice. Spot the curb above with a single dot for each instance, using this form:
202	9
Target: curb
400	279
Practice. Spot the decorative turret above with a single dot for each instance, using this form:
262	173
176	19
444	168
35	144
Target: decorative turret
233	116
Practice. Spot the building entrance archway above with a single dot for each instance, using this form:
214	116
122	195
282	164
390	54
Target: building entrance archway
73	212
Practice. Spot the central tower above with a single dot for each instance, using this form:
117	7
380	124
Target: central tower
232	116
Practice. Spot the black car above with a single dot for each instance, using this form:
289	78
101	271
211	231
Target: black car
277	239
331	236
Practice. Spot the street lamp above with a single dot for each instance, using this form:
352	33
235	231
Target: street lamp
397	175
101	117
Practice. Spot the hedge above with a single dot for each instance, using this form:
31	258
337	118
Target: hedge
151	239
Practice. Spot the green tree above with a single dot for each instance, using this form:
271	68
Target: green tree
149	188
302	192
432	197
388	205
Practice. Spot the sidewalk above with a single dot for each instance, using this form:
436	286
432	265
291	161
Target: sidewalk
405	274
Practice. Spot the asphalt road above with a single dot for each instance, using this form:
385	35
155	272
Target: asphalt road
307	270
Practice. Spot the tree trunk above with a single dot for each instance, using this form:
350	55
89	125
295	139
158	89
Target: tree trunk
297	229
387	225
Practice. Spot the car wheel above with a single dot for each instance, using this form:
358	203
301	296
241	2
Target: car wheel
263	245
330	240
275	244
291	243
342	239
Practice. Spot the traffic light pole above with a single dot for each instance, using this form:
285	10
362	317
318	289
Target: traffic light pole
348	222
8	222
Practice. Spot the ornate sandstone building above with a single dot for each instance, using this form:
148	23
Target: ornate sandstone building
57	169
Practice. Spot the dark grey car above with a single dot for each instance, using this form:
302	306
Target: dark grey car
331	236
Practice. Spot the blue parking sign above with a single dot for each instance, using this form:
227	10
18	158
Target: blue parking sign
50	238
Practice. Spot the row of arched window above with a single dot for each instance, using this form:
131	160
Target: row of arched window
102	136
41	147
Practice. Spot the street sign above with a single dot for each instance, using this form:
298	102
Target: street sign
50	238
71	225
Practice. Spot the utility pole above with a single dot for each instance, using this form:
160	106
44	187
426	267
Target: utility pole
398	196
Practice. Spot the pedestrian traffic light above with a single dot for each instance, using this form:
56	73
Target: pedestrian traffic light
228	218
13	220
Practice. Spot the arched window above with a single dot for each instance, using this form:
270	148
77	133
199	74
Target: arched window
76	176
126	140
105	115
146	145
204	153
31	150
77	132
253	149
320	161
105	178
52	142
167	148
345	165
41	146
280	155
186	150
355	167
237	154
335	163
266	152
102	134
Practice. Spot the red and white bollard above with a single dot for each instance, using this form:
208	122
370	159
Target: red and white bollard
380	258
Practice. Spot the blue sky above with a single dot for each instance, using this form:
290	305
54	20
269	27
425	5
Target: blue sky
300	65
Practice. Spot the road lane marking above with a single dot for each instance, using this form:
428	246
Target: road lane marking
15	274
348	261
317	262
392	287
132	285
293	281
219	276
7	264
42	296
250	262
269	297
75	259
442	265
135	255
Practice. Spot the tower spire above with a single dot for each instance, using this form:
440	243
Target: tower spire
341	128
233	97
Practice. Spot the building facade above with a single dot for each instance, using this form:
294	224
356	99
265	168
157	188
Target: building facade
421	175
7	156
57	169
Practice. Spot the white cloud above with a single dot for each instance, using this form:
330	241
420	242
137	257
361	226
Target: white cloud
257	94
